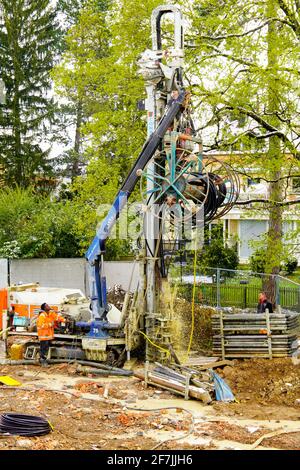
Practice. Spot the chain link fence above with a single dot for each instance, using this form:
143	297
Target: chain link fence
238	289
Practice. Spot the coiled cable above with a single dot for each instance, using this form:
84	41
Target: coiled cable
24	425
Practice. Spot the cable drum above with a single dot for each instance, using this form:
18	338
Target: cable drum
185	183
24	425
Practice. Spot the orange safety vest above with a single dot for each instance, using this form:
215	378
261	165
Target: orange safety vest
45	325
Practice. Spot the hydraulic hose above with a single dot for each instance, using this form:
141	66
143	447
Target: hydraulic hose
103	372
109	370
98	365
24	425
21	362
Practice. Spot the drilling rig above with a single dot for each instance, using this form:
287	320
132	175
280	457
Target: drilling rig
179	187
181	191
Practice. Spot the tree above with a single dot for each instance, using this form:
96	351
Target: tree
86	43
274	252
103	48
245	60
29	38
10	250
70	10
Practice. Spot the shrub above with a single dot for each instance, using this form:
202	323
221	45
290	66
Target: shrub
216	255
258	261
291	266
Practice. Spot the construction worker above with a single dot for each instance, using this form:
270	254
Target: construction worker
11	315
264	304
45	329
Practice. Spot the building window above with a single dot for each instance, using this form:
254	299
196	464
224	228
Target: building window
250	231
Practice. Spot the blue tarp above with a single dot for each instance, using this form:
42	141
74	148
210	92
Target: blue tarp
222	389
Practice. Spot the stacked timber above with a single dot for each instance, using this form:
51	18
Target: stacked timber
255	335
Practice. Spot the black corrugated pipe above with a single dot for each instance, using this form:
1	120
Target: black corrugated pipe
24	425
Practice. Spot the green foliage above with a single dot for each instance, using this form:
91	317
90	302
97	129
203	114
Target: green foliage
251	106
216	254
10	250
291	266
35	227
258	58
70	9
243	67
118	250
29	38
78	76
258	261
99	71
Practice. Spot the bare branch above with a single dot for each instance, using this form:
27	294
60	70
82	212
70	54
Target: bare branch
229	56
268	127
265	124
266	201
288	121
265	136
219	53
219	38
294	22
282	178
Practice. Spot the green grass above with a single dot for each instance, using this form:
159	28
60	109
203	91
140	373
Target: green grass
295	276
232	294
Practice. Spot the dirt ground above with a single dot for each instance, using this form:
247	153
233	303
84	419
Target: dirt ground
264	388
267	394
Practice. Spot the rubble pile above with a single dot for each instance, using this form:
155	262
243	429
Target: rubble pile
116	296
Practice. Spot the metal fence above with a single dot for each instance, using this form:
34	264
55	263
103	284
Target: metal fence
240	289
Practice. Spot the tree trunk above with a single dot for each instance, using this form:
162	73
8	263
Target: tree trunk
13	28
18	142
274	163
77	144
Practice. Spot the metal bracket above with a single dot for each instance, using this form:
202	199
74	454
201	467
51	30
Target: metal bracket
222	335
269	333
31	352
146	373
187	386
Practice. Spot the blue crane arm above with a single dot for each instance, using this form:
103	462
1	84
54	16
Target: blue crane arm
97	248
98	245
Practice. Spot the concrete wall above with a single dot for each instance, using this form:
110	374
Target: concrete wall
68	273
121	272
3	273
